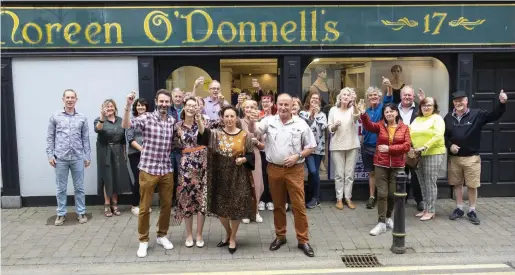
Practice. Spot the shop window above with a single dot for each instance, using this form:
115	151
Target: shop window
328	76
184	78
253	77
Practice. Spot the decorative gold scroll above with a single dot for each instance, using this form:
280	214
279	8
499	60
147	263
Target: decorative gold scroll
465	23
399	24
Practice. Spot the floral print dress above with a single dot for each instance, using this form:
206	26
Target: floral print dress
192	189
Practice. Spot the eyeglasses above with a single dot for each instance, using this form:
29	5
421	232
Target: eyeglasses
214	88
427	106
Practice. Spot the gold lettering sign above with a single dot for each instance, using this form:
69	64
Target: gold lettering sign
110	27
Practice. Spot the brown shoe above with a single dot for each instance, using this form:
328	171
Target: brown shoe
350	204
339	205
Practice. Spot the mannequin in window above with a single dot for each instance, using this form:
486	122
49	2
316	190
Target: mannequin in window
320	85
395	85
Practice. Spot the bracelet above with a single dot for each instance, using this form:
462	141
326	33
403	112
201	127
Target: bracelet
101	121
127	110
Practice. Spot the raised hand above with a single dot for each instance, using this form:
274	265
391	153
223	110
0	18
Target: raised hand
199	82
503	97
386	82
421	94
130	98
362	107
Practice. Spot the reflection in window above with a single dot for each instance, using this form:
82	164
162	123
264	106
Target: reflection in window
184	78
328	76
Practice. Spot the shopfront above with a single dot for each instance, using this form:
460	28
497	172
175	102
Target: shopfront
107	51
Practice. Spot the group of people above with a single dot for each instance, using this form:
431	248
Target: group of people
231	162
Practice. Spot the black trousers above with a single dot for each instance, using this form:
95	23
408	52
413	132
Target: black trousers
266	196
413	185
134	161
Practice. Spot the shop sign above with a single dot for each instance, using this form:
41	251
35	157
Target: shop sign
256	26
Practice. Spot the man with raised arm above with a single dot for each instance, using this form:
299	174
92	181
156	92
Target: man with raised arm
155	166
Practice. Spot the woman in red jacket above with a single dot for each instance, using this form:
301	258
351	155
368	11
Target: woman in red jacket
393	142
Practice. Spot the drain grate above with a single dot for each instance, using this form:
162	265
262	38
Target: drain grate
361	261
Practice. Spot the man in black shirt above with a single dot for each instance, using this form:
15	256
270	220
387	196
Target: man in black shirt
462	139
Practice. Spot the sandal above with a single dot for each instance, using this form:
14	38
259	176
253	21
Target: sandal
116	211
107	210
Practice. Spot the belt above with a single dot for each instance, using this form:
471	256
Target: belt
284	166
194	149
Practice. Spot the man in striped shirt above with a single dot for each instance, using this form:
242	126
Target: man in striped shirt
155	166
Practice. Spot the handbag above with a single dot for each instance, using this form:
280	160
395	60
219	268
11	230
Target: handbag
412	158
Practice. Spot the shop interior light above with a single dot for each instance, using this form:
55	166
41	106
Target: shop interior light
316	60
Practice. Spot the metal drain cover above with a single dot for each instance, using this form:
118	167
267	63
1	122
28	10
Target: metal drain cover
361	261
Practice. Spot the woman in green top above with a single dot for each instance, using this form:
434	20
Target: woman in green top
427	137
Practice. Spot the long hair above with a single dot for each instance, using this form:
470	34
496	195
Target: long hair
338	98
394	107
141	101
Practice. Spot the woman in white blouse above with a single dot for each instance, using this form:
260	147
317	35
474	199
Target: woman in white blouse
344	144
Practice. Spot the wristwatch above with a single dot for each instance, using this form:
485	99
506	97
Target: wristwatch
300	156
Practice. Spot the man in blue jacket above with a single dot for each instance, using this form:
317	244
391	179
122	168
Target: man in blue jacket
462	138
368	148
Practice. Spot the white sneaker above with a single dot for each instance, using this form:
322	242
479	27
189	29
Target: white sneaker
245	221
378	229
259	218
142	250
270	206
135	210
261	206
165	243
389	223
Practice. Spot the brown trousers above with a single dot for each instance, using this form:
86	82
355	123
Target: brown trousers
386	185
147	183
289	181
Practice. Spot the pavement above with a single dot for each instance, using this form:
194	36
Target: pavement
31	244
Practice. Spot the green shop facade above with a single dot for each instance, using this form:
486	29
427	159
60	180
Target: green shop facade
474	45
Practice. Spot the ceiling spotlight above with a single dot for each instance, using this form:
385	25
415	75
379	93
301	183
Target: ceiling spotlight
316	60
250	74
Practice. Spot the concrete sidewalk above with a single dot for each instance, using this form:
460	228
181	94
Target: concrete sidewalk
28	240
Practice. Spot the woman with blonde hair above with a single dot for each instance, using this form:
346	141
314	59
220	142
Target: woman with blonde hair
112	169
344	144
250	106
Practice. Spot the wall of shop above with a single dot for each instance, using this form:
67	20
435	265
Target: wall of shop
38	87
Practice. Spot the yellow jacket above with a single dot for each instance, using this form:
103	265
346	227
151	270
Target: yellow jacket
428	131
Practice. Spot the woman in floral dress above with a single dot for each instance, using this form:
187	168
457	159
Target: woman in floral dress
231	195
192	189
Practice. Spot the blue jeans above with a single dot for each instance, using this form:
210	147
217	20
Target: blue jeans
62	170
313	162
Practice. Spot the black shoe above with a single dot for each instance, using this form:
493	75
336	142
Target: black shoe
307	249
456	214
371	203
276	244
232	250
420	206
223	243
313	203
473	218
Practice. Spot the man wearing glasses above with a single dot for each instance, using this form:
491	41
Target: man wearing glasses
215	101
462	138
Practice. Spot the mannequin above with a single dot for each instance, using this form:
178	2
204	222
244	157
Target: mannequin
395	84
320	85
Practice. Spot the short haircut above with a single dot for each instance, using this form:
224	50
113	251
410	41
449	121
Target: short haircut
163	92
70	90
